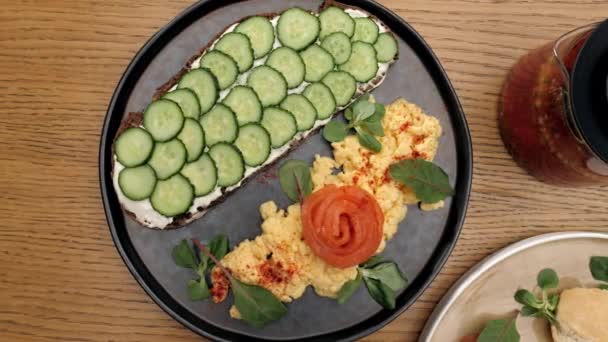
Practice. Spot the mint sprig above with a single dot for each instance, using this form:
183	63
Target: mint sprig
365	117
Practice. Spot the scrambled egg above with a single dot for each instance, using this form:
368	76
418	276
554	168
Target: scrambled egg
282	262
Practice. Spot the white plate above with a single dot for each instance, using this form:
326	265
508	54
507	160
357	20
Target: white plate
486	291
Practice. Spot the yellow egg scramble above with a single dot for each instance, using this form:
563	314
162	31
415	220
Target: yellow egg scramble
282	262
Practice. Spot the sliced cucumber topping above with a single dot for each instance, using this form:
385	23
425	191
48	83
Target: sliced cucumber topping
229	163
237	46
318	63
163	119
222	66
334	19
202	174
260	32
187	101
338	45
342	85
204	85
322	98
301	109
133	147
280	124
366	30
219	125
268	84
168	158
172	197
362	64
193	139
137	183
289	64
297	28
386	47
254	144
245	104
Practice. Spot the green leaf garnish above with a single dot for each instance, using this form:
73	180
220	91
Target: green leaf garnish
427	180
527	298
529	311
387	273
335	131
363	110
500	330
198	290
295	180
218	246
378	114
599	268
380	292
373	128
184	256
547	279
371	262
256	305
369	141
349	288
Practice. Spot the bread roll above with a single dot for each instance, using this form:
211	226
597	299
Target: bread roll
582	315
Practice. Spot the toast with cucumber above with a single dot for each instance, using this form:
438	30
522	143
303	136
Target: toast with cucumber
249	97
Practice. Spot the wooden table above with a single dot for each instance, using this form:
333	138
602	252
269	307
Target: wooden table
60	276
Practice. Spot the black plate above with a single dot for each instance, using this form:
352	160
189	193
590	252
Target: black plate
421	247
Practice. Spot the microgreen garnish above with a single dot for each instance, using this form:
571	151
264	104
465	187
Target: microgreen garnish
599	269
430	183
295	179
500	330
545	306
365	117
256	305
383	280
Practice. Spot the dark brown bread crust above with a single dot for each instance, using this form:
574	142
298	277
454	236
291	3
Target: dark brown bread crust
135	119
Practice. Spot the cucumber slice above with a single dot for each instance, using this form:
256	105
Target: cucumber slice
245	104
187	101
322	98
137	183
204	85
260	32
222	66
297	28
386	47
168	158
280	124
366	30
338	45
219	125
318	63
289	64
133	147
254	144
362	64
334	19
163	120
301	109
268	84
237	46
342	85
202	174
229	163
172	197
193	139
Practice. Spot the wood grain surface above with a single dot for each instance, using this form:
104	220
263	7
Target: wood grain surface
60	276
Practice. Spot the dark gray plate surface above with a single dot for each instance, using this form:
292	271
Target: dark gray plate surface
424	241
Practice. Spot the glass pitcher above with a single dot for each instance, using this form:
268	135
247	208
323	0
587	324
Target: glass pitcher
553	115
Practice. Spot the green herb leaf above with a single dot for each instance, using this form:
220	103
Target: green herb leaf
371	262
218	246
380	292
529	311
256	305
198	290
527	298
349	288
553	301
369	141
335	131
373	128
184	256
500	330
427	180
599	268
387	273
547	279
348	113
295	180
363	110
378	114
